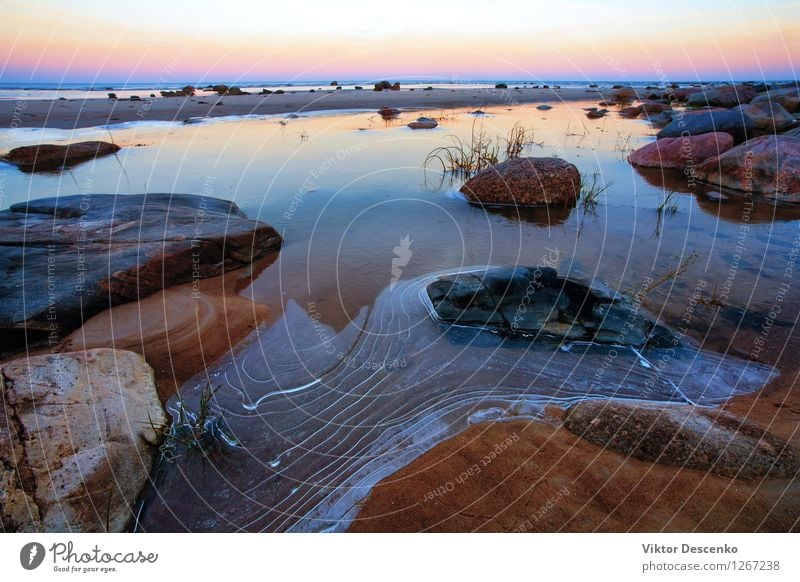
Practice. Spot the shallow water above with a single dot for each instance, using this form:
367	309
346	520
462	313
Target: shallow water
361	219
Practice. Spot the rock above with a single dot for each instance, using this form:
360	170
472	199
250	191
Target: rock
727	96
100	250
631	112
48	157
535	300
388	112
526	182
681	152
662	119
769	117
395	87
698	122
684	436
681	94
501	86
793	133
334	83
381	85
596	113
789	99
423	123
653	107
622	94
76	440
768	165
544	107
112	96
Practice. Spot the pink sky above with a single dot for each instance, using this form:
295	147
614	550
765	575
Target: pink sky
108	41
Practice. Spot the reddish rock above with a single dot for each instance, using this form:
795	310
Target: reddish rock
651	107
727	96
681	152
631	112
526	182
388	112
789	99
767	165
766	116
48	157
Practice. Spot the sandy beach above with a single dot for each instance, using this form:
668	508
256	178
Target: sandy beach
70	114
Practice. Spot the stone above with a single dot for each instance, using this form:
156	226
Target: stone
544	107
535	300
48	157
685	436
631	112
698	122
727	96
681	152
77	440
423	123
526	182
66	259
789	99
767	117
767	165
388	112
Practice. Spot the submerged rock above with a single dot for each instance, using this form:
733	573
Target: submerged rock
681	152
535	300
737	124
48	157
76	440
66	259
684	436
526	182
768	165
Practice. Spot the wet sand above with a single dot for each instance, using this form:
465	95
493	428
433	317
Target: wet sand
69	114
181	330
551	480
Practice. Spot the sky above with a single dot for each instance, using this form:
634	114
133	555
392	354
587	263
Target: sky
172	41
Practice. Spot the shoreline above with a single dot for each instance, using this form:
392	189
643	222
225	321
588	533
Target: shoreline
75	114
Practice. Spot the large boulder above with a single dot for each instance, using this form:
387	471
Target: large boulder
769	117
77	440
735	123
768	165
535	300
48	157
727	96
789	99
526	182
684	436
66	259
681	152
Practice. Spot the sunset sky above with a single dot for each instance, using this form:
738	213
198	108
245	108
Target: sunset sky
203	40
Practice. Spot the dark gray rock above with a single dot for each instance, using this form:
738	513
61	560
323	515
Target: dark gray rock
66	259
738	125
535	300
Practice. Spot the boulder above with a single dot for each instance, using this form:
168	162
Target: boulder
526	182
768	165
388	112
501	86
652	107
48	157
395	87
535	300
681	152
423	123
727	96
544	107
66	259
381	85
793	133
77	440
595	113
735	123
789	99
684	436
682	94
623	94
767	117
631	112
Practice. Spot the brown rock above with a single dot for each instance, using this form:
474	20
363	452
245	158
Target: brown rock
767	165
769	117
80	443
48	157
681	152
685	436
727	96
631	112
526	182
789	99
